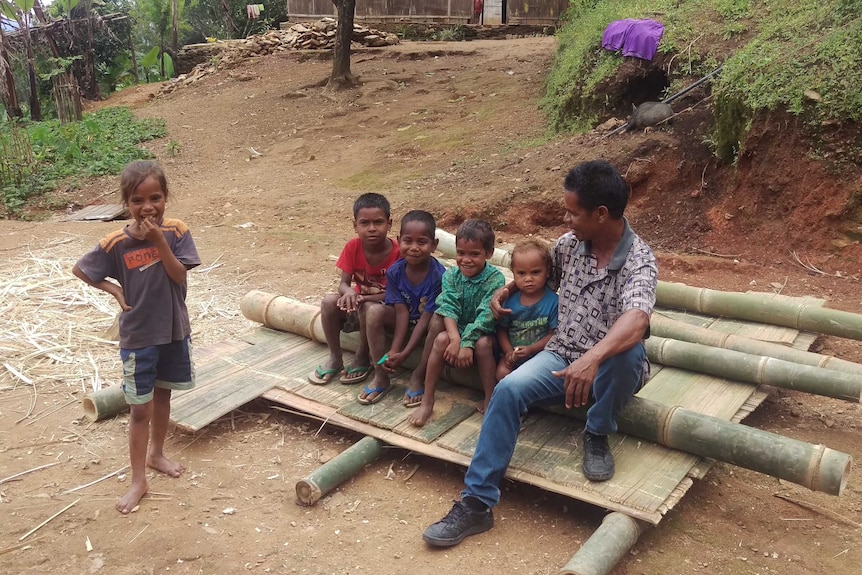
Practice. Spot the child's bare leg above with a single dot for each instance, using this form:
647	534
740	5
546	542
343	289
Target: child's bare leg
331	318
417	378
435	367
502	369
362	357
487	369
139	435
158	431
377	318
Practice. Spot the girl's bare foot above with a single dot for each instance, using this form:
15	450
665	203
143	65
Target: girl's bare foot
132	497
165	465
422	414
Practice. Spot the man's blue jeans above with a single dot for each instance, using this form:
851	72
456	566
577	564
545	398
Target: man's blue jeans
618	379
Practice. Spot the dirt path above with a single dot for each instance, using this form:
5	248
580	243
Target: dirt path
265	174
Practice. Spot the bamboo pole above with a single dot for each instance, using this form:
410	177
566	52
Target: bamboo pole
816	467
753	368
606	546
446	245
105	403
760	307
334	472
663	326
813	466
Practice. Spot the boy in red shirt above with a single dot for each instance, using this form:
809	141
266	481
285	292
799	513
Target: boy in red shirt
363	264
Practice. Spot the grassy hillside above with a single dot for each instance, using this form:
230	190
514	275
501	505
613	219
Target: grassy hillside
804	56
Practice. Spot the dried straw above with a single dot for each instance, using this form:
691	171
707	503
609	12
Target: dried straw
56	329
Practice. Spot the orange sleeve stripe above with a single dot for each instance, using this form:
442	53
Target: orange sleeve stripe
178	227
108	242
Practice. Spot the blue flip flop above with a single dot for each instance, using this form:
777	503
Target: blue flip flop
410	396
380	391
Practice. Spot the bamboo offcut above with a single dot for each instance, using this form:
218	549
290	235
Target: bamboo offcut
104	403
813	466
606	546
752	368
334	472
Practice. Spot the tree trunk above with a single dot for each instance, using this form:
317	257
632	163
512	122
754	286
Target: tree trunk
93	81
341	76
7	88
174	21
35	107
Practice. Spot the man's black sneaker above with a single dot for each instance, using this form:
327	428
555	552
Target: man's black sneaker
598	459
460	522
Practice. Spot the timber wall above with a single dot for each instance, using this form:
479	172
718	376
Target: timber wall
542	12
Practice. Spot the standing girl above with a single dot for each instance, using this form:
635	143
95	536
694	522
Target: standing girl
149	260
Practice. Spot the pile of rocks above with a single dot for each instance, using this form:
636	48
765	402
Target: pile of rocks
199	60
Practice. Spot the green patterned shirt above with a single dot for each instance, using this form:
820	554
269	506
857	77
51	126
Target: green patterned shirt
467	301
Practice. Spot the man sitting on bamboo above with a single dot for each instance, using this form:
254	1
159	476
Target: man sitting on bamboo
606	278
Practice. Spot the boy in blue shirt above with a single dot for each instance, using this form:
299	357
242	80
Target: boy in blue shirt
412	286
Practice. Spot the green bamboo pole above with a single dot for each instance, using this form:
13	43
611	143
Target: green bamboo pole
105	403
754	368
606	546
663	326
814	466
343	466
760	307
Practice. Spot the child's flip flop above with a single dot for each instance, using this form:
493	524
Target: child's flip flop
380	391
321	376
355	374
413	398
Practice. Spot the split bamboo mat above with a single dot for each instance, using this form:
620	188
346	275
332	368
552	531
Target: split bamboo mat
650	478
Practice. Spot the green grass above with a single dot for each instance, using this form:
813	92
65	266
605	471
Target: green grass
102	143
803	56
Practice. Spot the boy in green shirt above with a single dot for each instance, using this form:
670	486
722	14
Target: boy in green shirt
462	330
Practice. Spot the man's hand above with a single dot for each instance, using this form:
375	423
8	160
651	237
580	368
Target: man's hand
497	300
578	379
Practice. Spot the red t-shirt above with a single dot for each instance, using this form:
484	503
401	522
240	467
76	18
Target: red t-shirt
366	279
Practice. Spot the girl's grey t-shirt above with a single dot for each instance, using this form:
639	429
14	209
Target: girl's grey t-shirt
159	314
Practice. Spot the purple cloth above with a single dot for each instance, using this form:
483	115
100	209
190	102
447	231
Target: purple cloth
637	38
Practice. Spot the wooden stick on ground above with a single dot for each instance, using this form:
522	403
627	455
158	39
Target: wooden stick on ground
74	489
11	477
38	527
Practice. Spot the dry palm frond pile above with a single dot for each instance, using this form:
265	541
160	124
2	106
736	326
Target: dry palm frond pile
58	334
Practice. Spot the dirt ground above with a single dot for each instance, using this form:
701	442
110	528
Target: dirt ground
264	168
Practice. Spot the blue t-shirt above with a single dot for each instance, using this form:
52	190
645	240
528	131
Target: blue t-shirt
418	298
527	325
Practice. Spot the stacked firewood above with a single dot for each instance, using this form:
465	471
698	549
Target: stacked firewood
318	35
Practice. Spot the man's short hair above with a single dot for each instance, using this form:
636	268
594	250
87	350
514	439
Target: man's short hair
597	183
